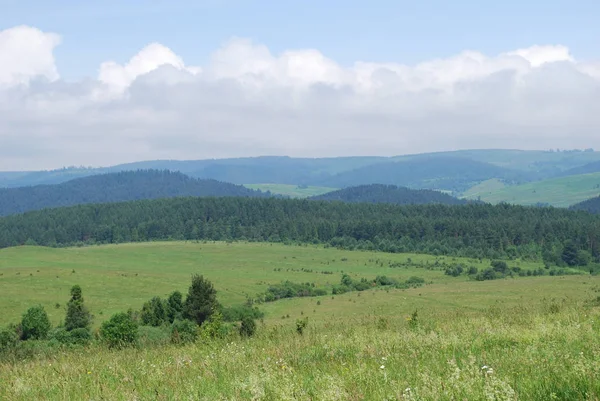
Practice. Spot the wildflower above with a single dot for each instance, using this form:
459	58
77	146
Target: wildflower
89	373
382	367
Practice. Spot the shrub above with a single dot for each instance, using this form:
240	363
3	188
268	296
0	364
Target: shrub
149	336
248	327
120	331
78	336
78	317
35	323
201	300
8	338
184	331
214	327
301	325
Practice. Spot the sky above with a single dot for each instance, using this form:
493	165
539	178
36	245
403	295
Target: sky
98	83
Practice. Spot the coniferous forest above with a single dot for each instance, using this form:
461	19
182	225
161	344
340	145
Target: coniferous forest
474	230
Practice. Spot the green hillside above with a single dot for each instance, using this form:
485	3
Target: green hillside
559	192
293	191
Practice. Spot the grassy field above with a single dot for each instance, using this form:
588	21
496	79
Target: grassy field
117	277
527	338
560	192
293	191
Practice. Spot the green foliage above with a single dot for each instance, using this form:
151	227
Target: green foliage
214	327
9	338
475	231
301	325
201	300
175	306
149	336
288	289
78	316
184	331
119	331
76	336
35	324
154	312
247	327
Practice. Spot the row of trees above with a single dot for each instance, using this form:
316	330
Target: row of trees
474	230
184	320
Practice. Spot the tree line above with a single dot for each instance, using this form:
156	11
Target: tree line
473	230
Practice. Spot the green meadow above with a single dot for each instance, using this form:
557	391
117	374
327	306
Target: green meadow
522	338
293	191
559	192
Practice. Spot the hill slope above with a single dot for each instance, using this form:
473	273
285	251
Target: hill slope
559	192
590	205
434	172
380	193
115	187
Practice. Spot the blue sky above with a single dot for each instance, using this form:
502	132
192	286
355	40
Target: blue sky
98	83
346	31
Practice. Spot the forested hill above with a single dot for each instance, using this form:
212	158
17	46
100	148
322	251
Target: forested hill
432	172
474	230
590	205
115	187
380	193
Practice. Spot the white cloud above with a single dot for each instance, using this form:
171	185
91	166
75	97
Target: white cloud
249	101
26	53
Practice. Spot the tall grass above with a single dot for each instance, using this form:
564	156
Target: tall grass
543	351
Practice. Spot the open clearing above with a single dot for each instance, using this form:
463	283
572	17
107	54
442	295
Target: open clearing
559	192
293	191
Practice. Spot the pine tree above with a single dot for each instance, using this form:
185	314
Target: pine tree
201	300
78	316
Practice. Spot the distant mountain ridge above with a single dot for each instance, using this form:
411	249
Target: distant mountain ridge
380	193
116	187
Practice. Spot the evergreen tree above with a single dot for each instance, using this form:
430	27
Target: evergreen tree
201	301
78	316
175	306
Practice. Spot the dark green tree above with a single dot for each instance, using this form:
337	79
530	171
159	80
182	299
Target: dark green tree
569	253
201	300
154	312
35	324
175	306
78	316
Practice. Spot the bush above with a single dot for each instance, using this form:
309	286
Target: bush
35	323
248	327
238	313
301	325
214	327
120	331
175	306
201	301
184	331
8	338
78	336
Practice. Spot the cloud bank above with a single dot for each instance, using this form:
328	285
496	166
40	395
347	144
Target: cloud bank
247	101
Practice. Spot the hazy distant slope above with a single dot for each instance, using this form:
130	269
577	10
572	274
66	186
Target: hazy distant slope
544	163
293	191
379	193
560	192
115	187
589	168
434	172
590	205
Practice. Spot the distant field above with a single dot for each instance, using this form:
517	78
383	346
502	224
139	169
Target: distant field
485	187
293	191
560	192
117	277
